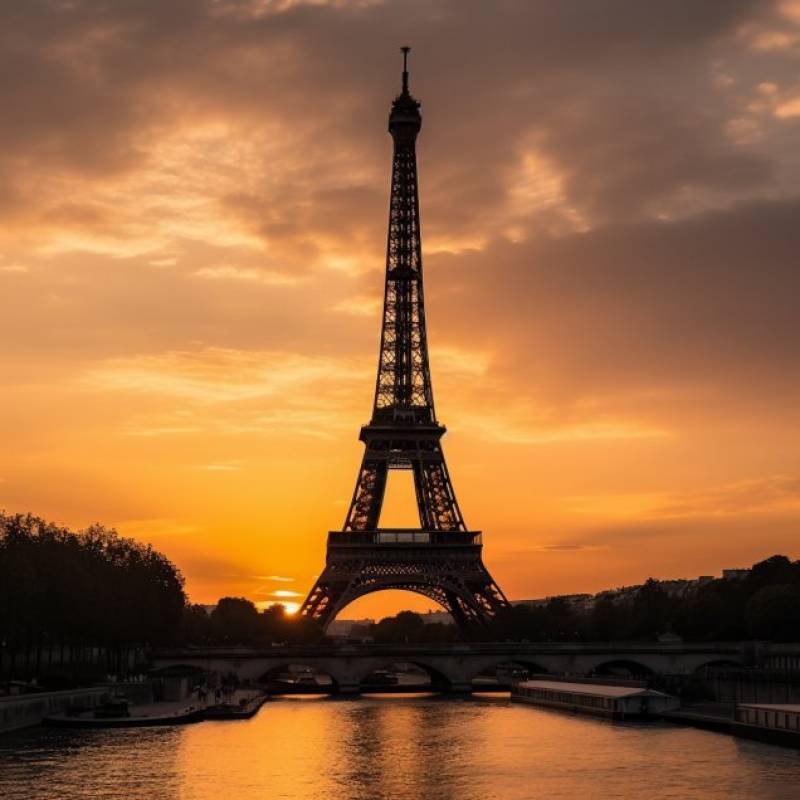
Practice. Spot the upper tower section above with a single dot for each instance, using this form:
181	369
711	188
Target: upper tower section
403	394
405	120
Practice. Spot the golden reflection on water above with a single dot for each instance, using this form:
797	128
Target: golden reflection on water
396	748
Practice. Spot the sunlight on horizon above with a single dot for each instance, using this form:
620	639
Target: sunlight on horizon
289	606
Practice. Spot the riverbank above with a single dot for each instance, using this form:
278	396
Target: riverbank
242	704
773	723
26	710
60	709
723	718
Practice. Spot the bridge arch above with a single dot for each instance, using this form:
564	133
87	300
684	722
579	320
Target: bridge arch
438	681
295	677
514	668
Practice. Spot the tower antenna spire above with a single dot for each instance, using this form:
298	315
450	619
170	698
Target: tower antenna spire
406	51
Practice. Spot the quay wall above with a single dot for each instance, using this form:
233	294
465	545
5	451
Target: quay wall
732	686
754	686
26	710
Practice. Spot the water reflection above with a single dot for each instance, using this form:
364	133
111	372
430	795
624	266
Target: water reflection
395	748
46	763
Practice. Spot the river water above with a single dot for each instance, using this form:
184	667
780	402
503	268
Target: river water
396	748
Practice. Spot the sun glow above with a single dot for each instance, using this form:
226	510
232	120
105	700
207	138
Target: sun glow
289	606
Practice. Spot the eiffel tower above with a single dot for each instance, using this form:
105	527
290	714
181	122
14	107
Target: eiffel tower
441	559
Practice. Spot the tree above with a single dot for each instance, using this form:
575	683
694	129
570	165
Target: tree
409	626
608	621
93	587
235	620
715	612
651	611
196	625
773	570
773	612
559	620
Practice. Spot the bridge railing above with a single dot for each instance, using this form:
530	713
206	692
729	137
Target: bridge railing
411	536
460	648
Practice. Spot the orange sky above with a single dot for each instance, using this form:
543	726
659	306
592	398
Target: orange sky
193	201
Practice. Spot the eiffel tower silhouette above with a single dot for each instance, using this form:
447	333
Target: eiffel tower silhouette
441	559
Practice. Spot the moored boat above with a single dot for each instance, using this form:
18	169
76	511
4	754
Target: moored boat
599	699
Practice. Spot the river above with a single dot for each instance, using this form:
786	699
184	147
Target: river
396	748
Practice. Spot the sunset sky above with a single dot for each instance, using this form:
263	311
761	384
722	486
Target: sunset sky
193	208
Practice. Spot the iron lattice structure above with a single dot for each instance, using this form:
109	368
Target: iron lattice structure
441	559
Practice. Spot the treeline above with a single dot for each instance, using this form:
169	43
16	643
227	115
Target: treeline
237	621
88	588
408	626
66	597
763	605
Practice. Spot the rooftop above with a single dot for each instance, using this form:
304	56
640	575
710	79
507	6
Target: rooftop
593	689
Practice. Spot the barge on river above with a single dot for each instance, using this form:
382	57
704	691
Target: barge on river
603	700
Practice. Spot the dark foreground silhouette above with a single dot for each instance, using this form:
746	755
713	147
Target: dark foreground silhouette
94	589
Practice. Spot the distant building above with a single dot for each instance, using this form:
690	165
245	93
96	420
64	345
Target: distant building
442	617
735	574
344	628
361	632
539	601
679	588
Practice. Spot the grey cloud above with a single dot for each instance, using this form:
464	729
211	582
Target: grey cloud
706	304
96	83
615	94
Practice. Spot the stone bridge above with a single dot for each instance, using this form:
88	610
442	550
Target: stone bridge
452	667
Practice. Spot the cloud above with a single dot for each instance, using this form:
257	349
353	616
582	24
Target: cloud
563	548
772	494
791	108
505	428
640	321
218	375
163	430
247	275
90	109
609	201
223	466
